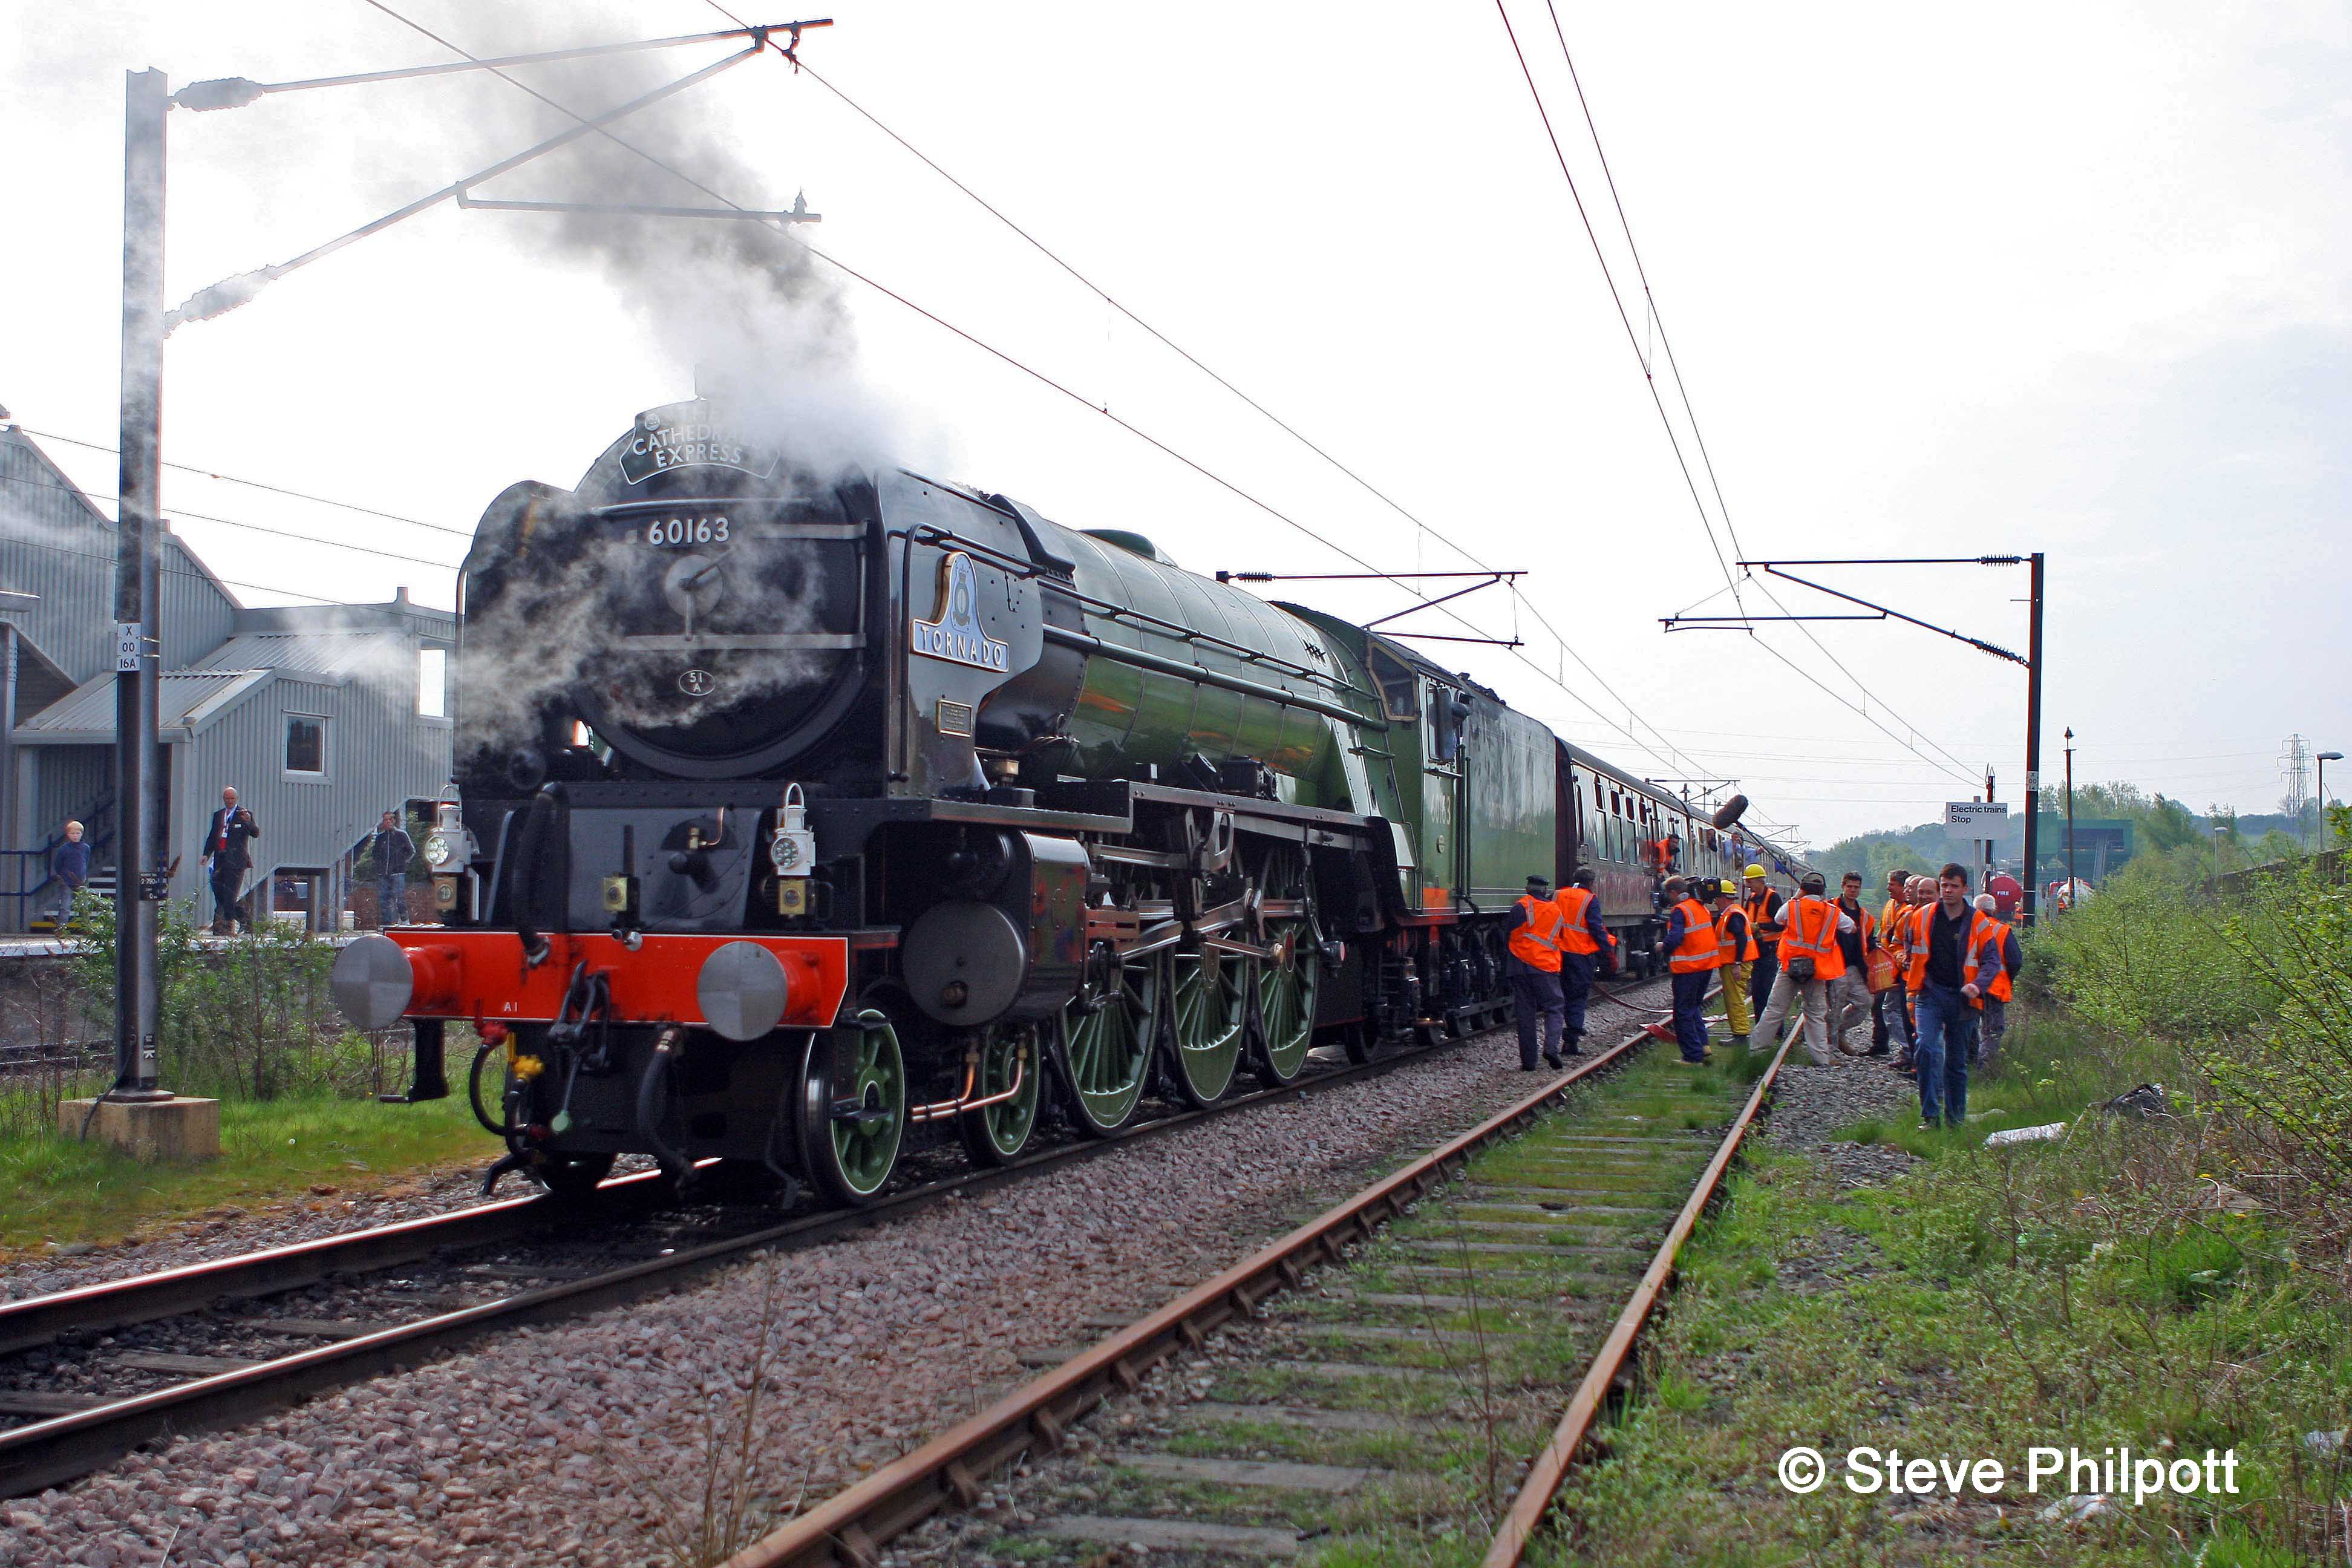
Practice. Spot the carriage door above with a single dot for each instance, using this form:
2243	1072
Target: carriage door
1446	802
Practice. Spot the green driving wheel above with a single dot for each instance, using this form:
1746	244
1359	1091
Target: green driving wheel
853	1107
1287	987
1104	1047
1010	1064
1210	1006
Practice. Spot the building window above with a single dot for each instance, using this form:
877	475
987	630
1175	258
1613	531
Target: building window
306	744
433	682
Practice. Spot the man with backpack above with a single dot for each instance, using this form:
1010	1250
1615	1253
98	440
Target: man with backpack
1811	958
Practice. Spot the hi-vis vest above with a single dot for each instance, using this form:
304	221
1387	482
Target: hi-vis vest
1809	930
1701	947
1573	936
1537	944
1890	922
1734	951
2001	989
1760	916
1982	929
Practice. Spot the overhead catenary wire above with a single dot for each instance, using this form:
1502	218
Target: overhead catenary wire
1519	601
205	577
1670	754
1648	379
260	485
175	513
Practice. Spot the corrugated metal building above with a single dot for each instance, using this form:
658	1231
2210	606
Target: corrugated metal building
323	717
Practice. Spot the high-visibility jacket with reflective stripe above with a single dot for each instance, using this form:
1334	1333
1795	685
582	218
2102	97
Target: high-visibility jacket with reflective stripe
1738	934
1890	922
1982	929
2000	987
1537	944
1761	919
1809	930
1575	935
1701	948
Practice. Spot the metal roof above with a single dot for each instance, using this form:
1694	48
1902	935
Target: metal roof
331	653
186	700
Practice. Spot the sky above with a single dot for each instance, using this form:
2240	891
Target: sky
2068	279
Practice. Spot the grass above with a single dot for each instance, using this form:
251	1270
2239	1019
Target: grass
2074	1293
54	1189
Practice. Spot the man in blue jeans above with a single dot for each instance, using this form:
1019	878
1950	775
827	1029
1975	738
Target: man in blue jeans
1953	960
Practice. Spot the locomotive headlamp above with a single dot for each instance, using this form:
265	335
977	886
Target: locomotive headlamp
448	844
792	850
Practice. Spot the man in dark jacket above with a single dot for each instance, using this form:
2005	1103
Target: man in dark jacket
391	849
227	858
70	865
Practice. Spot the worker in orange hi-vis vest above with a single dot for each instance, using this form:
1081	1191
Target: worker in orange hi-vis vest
1762	902
1921	891
1857	942
1584	950
1693	953
1888	1021
1956	960
1738	954
1533	968
1994	1023
1810	958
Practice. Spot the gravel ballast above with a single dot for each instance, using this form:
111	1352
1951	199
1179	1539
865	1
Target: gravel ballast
582	1442
234	1231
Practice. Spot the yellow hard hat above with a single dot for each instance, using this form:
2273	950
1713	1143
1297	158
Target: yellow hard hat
1755	870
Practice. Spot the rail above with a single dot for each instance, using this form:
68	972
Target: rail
850	1528
56	1450
1551	1466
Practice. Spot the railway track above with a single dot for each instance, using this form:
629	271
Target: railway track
90	1374
1428	1357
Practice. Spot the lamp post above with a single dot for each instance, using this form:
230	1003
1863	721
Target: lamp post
140	886
2070	816
2324	758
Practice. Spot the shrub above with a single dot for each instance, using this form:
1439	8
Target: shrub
248	1019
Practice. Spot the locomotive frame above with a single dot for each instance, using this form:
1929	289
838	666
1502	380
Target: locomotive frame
799	818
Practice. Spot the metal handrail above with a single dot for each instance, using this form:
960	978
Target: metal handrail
102	810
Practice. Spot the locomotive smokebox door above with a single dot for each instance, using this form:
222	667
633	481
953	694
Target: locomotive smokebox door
1015	952
984	626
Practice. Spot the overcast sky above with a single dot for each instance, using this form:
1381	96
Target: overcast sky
2066	278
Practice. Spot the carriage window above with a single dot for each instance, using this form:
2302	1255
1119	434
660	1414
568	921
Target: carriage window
1399	689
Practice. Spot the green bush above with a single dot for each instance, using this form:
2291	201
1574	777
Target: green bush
249	1017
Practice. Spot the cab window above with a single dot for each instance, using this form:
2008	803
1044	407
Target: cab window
1444	726
1399	689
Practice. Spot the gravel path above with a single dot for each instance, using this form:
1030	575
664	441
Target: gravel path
587	1442
1811	1107
1813	1104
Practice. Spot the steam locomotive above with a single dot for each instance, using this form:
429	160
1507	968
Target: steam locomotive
798	817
